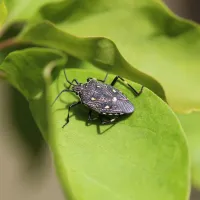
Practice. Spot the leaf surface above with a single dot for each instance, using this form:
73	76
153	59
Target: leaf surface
191	127
3	13
143	156
23	9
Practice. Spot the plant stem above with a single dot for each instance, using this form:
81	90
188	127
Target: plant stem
2	75
8	43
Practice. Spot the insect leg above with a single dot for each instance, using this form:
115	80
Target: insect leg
90	116
136	93
104	80
74	80
65	90
71	106
103	122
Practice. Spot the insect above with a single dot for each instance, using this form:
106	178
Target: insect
101	98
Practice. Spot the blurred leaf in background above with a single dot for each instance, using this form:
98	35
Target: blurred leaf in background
3	13
23	10
27	130
191	125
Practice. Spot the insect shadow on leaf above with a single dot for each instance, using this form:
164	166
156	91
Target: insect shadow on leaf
103	99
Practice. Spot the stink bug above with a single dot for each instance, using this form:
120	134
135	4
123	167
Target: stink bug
101	98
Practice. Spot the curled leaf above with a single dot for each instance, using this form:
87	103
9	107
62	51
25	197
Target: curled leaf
101	52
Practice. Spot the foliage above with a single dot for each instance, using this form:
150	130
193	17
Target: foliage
3	13
142	156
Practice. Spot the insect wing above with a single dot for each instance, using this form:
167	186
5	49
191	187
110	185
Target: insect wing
106	99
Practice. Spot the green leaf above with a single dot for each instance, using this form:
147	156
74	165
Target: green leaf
143	156
26	130
3	13
11	31
99	51
21	68
191	126
23	9
148	35
27	84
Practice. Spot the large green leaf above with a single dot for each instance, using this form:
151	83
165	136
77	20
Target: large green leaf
191	126
3	13
143	156
99	51
31	83
17	65
148	35
23	9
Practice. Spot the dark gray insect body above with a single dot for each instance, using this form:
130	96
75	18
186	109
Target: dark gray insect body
102	98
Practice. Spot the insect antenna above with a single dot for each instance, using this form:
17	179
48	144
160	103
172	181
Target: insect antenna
67	78
65	90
